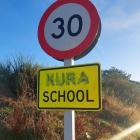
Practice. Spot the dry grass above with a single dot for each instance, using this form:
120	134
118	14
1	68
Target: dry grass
118	108
23	121
24	116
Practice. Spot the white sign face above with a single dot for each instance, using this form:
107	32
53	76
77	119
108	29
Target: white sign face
67	26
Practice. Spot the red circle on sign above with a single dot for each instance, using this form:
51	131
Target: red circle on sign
84	45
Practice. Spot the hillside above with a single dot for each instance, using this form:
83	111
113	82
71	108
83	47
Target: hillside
20	118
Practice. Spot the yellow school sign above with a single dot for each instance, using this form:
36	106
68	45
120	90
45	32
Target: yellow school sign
75	88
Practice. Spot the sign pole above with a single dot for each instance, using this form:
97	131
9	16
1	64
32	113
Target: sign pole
54	32
69	117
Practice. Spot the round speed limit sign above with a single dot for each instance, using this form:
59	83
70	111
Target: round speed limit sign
69	29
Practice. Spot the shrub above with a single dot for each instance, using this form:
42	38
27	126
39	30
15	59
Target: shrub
19	75
24	119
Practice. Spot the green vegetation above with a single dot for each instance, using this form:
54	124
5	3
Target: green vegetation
20	119
19	76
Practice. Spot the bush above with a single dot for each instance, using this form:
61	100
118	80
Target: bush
24	120
19	75
21	119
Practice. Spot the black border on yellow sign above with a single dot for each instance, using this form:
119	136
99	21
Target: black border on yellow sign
76	108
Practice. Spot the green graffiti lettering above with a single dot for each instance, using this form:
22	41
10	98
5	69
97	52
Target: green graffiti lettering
83	78
70	78
50	79
60	79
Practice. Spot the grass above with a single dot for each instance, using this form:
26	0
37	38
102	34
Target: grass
23	119
22	72
42	125
122	110
20	118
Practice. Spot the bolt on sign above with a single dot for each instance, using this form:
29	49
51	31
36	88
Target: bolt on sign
75	87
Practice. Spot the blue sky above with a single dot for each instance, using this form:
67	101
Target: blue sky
119	43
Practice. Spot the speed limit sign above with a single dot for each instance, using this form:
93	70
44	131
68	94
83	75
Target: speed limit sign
69	29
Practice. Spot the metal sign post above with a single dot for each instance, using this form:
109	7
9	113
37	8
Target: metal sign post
69	117
69	125
68	30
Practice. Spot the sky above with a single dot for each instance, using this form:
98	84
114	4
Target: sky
118	45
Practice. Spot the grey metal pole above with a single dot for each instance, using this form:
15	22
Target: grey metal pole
69	117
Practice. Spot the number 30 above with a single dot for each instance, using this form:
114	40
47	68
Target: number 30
61	26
